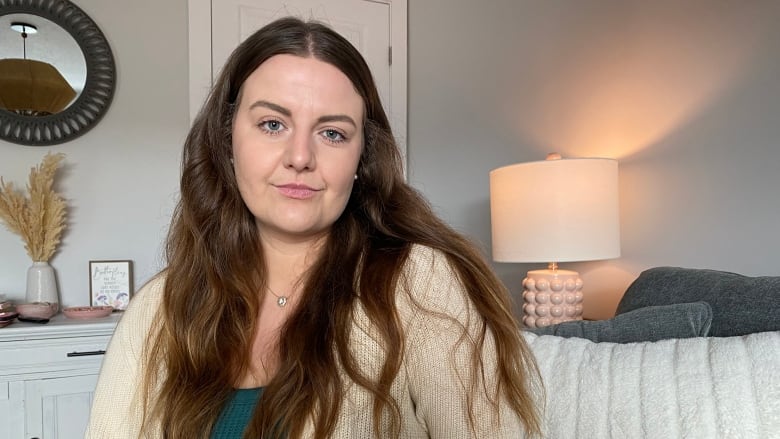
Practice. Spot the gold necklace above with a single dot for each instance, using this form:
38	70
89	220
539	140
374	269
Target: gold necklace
281	301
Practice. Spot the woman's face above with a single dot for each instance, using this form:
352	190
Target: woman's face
297	140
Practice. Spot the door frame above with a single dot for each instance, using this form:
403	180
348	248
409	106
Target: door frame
200	68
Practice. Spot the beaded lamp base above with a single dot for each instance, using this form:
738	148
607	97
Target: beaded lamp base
551	297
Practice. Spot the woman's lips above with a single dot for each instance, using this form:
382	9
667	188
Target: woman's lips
297	191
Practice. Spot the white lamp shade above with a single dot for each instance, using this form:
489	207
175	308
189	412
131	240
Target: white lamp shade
555	211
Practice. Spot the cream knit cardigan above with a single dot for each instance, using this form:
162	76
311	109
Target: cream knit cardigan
430	389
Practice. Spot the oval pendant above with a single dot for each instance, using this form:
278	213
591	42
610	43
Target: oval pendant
281	301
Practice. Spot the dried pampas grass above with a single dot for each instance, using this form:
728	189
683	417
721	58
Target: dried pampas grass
40	219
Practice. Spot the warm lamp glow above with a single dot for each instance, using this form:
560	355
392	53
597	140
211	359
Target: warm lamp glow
551	211
617	82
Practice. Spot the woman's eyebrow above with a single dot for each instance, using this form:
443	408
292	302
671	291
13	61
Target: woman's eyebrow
337	118
271	106
286	112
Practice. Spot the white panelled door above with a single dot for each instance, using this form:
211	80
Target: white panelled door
365	24
377	28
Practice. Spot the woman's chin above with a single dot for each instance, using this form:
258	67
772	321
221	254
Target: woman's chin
296	230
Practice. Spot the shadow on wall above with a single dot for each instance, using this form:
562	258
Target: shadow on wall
604	283
609	83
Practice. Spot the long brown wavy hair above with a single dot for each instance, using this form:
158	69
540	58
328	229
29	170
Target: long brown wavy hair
201	343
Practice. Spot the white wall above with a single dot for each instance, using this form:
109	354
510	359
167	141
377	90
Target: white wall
683	94
120	178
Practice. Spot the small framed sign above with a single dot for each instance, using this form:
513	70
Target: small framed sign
110	283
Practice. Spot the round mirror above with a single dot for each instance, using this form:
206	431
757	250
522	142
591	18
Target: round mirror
57	73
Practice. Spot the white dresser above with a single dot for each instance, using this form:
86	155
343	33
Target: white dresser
47	375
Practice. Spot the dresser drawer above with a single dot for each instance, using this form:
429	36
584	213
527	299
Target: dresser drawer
34	356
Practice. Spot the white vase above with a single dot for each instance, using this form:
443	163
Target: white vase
42	285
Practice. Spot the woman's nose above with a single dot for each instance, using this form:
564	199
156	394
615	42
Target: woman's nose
300	153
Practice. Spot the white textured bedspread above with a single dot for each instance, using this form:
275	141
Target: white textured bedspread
683	388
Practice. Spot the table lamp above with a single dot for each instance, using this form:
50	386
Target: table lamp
554	210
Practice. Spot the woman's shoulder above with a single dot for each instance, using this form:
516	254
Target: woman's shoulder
150	294
430	282
424	258
143	307
426	267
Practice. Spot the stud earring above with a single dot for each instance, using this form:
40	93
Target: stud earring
355	176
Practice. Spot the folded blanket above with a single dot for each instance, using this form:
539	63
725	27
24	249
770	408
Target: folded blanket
680	388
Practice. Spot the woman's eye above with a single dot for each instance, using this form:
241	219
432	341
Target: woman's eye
272	126
334	136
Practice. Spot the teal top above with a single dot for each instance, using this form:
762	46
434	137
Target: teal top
236	414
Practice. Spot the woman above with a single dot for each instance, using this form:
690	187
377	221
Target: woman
309	291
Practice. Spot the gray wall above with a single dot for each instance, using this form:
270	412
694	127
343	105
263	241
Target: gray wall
683	94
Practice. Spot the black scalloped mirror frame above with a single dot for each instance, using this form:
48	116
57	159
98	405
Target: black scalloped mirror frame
93	102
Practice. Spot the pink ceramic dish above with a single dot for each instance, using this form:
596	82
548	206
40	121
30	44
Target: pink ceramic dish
87	312
7	312
6	315
40	310
7	305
